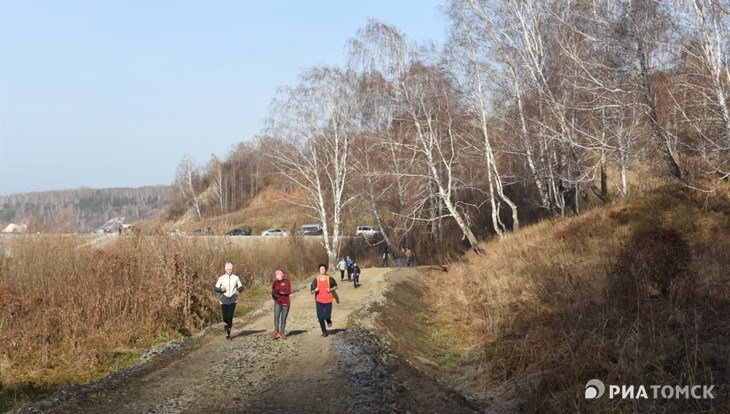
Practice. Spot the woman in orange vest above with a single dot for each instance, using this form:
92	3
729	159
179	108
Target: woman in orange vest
323	287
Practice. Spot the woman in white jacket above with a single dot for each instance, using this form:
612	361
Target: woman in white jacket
229	286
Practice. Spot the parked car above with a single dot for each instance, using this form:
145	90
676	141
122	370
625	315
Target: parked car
241	231
310	230
366	231
275	232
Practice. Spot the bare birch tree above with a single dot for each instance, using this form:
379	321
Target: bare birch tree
375	186
510	34
315	122
467	51
422	100
185	179
703	86
645	24
606	103
216	178
382	162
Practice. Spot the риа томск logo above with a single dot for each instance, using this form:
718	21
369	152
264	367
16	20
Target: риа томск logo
595	388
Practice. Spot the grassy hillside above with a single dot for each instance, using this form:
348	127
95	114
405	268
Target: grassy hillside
635	293
272	208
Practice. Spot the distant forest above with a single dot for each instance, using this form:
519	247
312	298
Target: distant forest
83	209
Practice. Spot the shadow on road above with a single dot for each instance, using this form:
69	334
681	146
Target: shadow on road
248	333
297	332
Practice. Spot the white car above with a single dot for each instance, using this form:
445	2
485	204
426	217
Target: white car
310	230
275	232
366	231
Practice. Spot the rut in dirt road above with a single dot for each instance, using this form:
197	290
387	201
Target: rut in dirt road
345	372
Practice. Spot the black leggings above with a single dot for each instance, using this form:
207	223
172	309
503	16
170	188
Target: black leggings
227	311
324	314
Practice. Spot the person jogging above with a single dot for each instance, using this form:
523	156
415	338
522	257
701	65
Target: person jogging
280	291
323	288
341	266
229	286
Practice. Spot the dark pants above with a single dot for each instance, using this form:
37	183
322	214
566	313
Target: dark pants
324	314
349	273
342	275
227	311
385	260
280	314
356	280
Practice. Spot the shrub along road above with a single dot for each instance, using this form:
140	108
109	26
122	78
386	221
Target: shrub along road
350	371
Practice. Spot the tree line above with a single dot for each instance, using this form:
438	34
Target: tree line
523	112
82	209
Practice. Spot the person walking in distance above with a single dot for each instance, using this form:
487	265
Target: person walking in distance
409	257
323	287
386	254
356	275
280	291
229	286
398	257
341	266
348	263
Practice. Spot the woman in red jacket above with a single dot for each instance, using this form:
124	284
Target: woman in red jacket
280	291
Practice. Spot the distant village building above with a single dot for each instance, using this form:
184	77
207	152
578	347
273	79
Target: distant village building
116	226
15	228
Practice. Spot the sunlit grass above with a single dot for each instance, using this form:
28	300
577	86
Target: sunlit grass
567	300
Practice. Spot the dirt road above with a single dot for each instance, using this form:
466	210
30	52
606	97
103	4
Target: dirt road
349	371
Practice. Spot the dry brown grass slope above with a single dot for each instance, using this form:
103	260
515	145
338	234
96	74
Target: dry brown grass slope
633	293
272	208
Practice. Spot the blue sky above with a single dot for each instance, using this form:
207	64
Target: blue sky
114	93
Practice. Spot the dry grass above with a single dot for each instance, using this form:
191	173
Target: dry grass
634	293
71	314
